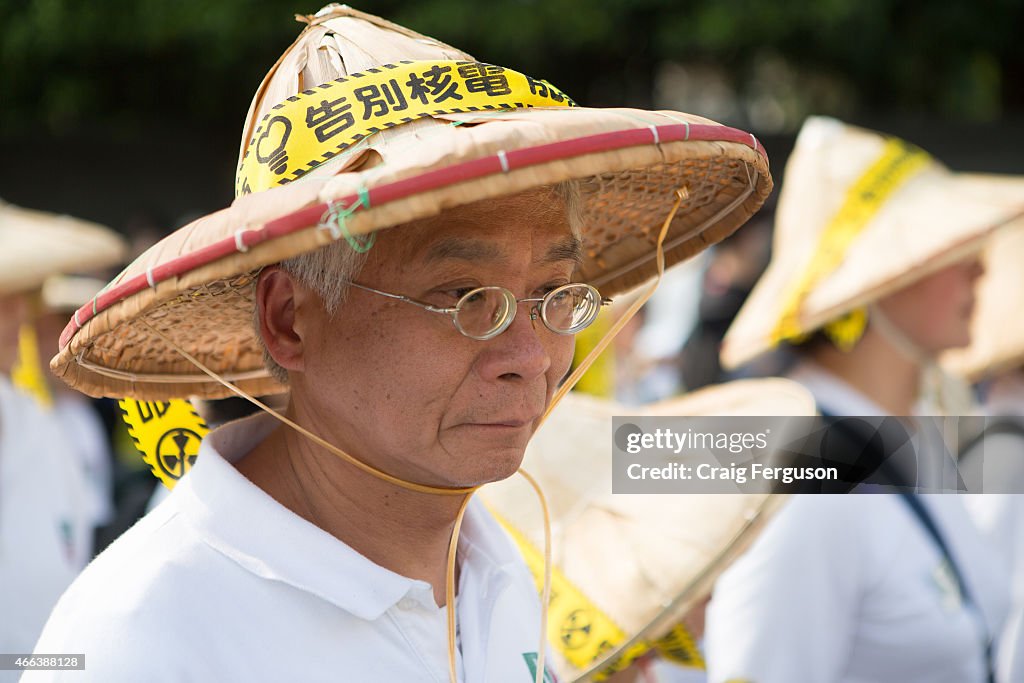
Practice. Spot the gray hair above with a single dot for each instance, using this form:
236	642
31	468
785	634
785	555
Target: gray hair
329	269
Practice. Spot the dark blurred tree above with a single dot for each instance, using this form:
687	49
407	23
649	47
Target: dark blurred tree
68	62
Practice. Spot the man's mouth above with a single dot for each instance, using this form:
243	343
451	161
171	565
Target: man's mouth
510	424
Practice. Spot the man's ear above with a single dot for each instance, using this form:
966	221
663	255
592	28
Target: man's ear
277	296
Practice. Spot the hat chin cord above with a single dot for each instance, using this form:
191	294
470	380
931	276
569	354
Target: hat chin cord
467	492
937	388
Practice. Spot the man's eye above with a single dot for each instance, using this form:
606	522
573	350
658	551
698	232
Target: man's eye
463	291
450	296
548	288
562	299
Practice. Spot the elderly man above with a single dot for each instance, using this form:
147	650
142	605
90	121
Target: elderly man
468	211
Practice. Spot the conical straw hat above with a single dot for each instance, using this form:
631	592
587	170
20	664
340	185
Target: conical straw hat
418	151
36	244
860	216
633	565
997	327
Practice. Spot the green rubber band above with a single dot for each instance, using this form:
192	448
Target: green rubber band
339	215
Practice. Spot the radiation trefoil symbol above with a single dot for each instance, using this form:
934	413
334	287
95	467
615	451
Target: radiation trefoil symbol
167	434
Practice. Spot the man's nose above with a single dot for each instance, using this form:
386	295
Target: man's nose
520	351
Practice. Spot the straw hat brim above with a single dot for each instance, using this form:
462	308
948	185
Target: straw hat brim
997	327
643	560
936	219
196	285
35	245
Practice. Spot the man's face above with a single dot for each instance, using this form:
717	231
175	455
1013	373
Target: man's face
401	388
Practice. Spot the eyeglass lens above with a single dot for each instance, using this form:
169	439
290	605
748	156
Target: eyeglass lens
483	311
570	309
487	311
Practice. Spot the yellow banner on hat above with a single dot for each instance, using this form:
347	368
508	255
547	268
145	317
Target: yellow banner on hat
898	163
313	126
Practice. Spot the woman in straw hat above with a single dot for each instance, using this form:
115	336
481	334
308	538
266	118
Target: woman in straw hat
994	458
875	260
46	522
335	544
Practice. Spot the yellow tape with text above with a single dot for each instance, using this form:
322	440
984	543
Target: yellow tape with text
313	126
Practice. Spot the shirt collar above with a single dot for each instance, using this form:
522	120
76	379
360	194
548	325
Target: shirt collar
241	521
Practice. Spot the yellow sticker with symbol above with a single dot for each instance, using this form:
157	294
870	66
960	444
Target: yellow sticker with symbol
167	434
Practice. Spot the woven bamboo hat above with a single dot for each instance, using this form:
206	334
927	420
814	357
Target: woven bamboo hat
364	125
36	244
629	567
997	328
860	216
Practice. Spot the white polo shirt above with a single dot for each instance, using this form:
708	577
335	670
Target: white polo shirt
45	523
851	589
222	583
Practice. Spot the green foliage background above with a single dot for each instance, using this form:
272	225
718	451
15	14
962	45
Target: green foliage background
135	106
63	62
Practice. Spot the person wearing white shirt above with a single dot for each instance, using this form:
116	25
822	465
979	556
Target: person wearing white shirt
323	569
198	566
880	587
415	285
849	588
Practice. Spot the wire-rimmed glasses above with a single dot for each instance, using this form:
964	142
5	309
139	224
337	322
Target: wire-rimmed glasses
485	312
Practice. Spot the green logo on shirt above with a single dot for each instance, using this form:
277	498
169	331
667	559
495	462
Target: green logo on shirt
531	664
